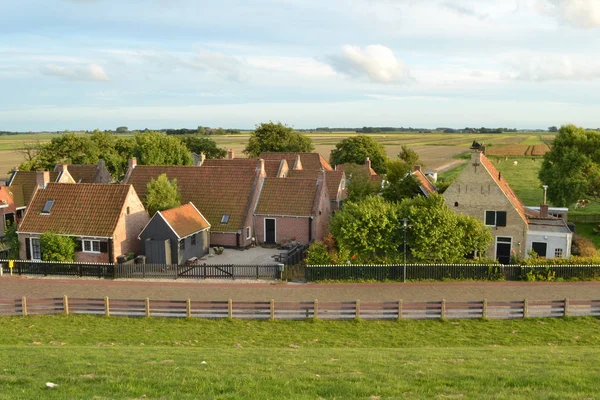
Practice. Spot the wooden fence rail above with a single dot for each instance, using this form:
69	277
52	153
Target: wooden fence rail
288	310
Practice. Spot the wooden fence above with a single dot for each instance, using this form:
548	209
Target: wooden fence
345	310
448	271
584	219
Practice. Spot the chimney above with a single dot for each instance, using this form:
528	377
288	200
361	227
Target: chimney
198	159
230	154
368	162
101	164
132	163
60	168
42	179
417	168
297	163
544	210
262	167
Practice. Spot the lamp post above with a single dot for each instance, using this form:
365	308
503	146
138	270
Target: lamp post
404	227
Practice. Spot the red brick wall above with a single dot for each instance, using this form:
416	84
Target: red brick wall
125	237
222	239
285	228
322	215
80	256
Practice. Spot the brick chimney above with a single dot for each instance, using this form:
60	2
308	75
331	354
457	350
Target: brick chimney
262	168
417	168
544	210
132	163
297	163
42	179
230	154
368	162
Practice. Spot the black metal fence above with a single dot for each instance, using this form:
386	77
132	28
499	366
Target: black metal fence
294	256
440	272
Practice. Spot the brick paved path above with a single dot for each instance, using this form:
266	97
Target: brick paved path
17	287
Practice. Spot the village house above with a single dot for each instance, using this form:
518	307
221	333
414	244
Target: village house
12	206
481	191
176	236
104	219
296	160
334	180
422	179
364	169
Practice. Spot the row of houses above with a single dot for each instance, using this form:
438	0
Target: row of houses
239	203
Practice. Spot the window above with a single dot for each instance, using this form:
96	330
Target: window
91	246
36	249
182	244
558	253
248	232
225	218
495	218
194	239
539	248
48	207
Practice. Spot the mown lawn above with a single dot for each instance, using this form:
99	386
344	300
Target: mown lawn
101	358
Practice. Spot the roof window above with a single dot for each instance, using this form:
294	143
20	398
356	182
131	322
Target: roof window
225	218
48	206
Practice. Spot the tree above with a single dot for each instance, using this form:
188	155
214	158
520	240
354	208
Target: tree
276	137
11	239
410	157
400	183
572	168
122	129
69	148
57	248
199	144
360	184
356	149
155	148
552	129
161	194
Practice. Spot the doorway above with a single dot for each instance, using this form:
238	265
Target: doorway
270	230
503	248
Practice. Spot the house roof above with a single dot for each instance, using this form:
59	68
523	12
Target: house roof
28	181
289	196
272	167
16	192
507	190
83	173
184	220
332	179
426	186
215	191
310	161
85	210
364	167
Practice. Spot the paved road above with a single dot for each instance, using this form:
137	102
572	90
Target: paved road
16	287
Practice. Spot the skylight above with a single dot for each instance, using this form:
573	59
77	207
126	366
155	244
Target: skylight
48	206
225	218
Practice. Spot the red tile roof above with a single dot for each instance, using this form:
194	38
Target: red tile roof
271	166
83	173
333	179
83	210
185	220
15	193
506	189
28	181
215	191
426	186
289	196
310	161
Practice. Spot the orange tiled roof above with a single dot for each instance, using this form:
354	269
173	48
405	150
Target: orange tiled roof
215	191
289	196
425	184
310	161
185	220
506	189
271	166
85	210
28	181
16	193
332	179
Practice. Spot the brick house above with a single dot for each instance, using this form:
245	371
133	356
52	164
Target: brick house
335	182
482	192
425	184
12	206
292	209
175	236
104	219
305	161
365	169
226	195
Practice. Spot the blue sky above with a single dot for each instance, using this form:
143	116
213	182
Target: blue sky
86	64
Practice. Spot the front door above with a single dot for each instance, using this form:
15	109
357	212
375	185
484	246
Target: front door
503	245
269	230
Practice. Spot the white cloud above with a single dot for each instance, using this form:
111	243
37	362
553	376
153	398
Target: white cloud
224	65
91	72
376	62
577	13
542	68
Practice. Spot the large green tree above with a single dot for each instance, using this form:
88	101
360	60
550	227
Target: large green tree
356	149
277	137
200	144
156	148
360	185
57	248
572	168
400	184
409	156
161	194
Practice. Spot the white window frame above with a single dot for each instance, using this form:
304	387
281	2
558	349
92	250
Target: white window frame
559	253
91	246
31	240
248	232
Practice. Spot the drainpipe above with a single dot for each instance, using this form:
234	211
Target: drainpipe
310	220
237	238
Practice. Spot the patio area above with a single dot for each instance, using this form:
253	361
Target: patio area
253	256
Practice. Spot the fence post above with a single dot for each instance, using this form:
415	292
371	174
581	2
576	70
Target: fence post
566	310
357	308
485	309
188	308
316	309
66	304
443	315
176	271
204	271
147	307
24	306
230	308
400	306
272	308
257	272
525	308
106	307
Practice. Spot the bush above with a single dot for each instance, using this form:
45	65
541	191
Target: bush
57	248
583	246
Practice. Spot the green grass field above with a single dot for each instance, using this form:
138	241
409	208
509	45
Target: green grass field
106	358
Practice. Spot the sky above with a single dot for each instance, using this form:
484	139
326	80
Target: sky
100	64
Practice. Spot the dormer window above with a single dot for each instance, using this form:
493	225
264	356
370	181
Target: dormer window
48	207
225	218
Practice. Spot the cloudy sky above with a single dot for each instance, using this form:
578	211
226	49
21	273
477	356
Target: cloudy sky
85	64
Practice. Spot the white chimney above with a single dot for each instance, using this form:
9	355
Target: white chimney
132	163
42	179
230	154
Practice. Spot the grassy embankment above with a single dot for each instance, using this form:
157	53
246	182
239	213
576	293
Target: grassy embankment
99	357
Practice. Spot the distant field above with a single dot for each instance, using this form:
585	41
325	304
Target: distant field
536	150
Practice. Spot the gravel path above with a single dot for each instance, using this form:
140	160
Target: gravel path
17	287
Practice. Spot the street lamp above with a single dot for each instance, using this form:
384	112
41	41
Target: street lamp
405	226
